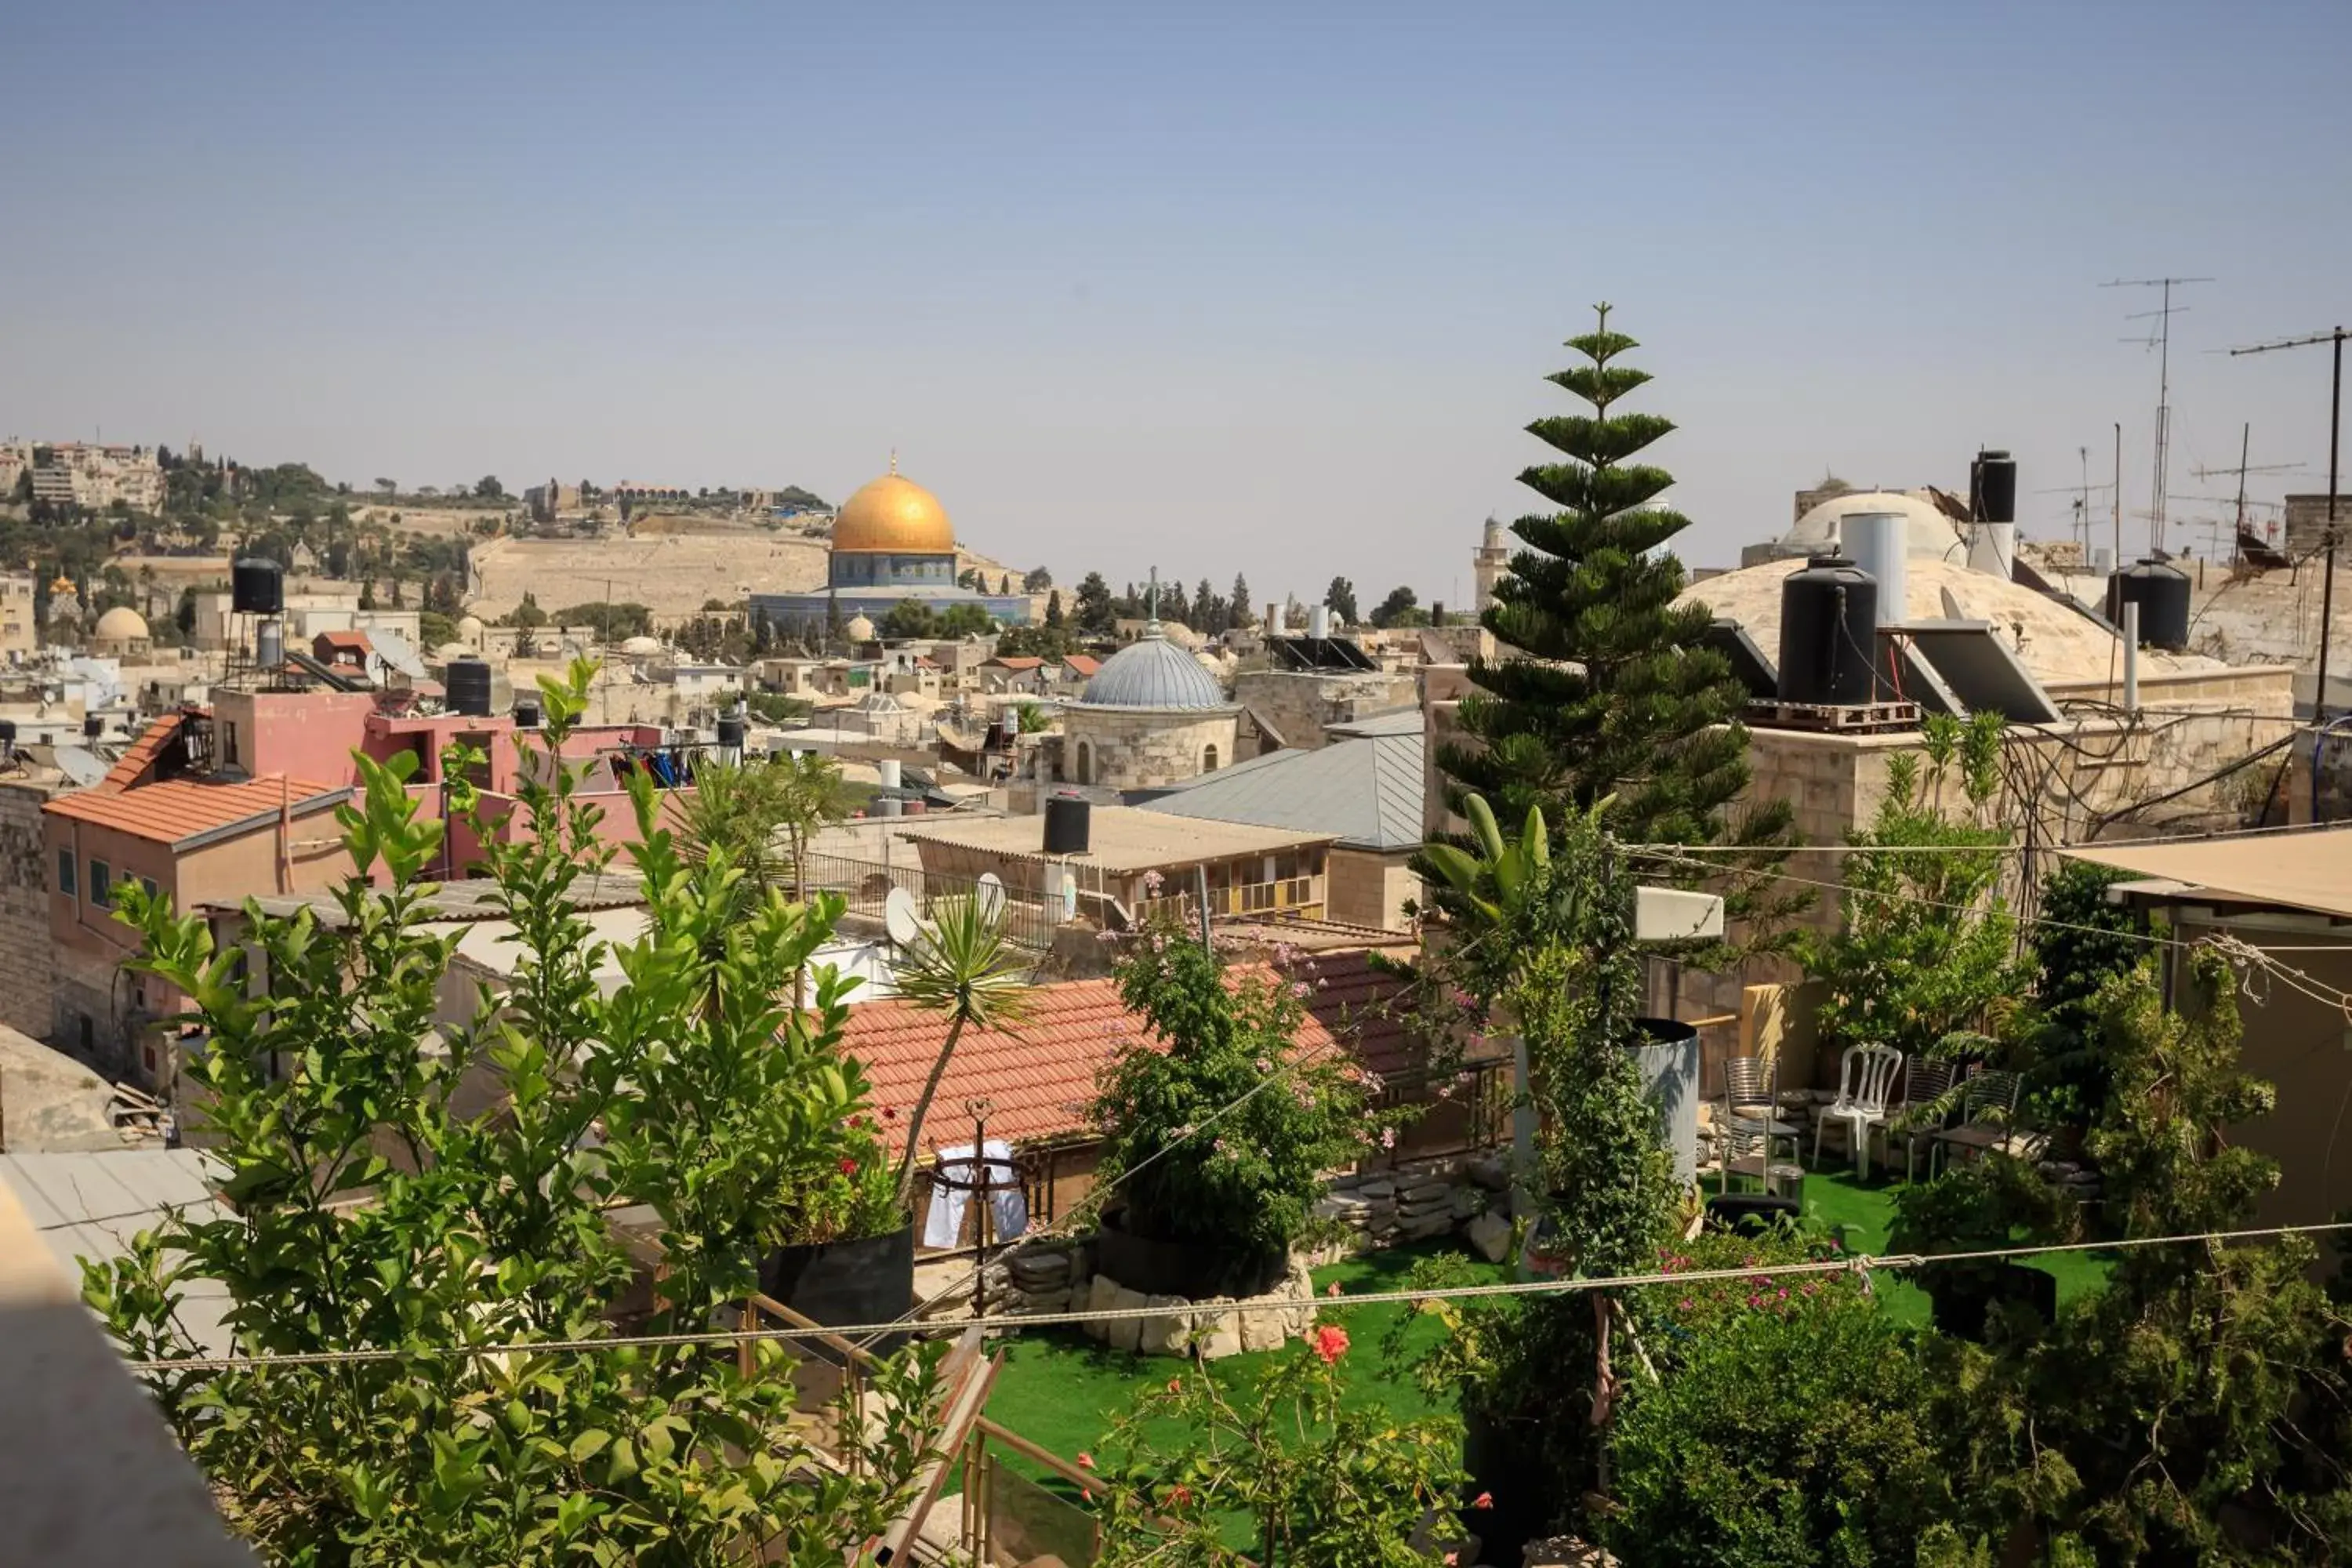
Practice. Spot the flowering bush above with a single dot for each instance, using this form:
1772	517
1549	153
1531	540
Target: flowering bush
1224	1137
1321	1485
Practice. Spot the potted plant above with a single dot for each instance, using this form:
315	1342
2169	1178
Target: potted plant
1217	1131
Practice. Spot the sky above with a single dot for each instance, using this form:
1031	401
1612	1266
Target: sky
1218	289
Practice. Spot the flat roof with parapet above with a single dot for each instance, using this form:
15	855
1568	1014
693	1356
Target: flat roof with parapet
1121	838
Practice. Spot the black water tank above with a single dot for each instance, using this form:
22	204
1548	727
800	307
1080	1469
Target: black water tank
1828	633
470	686
1992	488
7	729
731	732
527	713
1069	825
92	727
256	588
2161	592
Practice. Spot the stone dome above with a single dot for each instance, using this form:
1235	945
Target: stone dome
121	624
469	627
449	650
1153	672
858	628
894	515
641	647
1928	532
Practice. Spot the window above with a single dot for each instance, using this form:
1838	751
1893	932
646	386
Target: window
1086	763
1209	760
66	872
148	883
100	885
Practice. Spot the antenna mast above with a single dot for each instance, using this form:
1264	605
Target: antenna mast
2335	434
2160	338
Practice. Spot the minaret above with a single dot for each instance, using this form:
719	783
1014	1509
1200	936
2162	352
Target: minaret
1488	562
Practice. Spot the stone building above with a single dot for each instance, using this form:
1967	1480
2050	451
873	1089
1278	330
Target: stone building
1150	717
892	543
1489	562
26	953
1303	707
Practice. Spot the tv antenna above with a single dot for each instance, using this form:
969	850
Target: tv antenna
2160	338
2334	439
2081	506
2245	442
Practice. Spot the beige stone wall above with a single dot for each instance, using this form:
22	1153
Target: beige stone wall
1301	705
25	940
1144	748
1368	888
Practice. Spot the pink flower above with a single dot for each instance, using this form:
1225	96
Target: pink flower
1784	1293
1217	1146
1388	1137
848	1166
1086	1460
1332	1288
1452	1558
1484	1500
1684	1305
1263	1065
1755	1300
1152	880
1330	1342
1299	989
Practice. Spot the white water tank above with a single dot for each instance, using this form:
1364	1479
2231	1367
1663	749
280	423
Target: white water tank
887	770
1319	622
1992	549
1880	543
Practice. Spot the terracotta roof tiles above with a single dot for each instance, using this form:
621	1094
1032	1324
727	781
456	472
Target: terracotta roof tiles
1041	1082
177	810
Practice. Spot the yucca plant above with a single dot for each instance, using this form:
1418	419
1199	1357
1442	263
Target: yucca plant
965	968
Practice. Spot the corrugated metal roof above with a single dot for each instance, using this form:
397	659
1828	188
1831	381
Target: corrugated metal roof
1368	792
91	1206
175	810
1121	838
1398	722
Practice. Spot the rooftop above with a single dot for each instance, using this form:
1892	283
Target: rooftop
1367	792
1122	839
91	1205
181	812
1042	1081
474	899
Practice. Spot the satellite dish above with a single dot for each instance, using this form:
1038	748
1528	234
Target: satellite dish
991	895
1952	605
899	917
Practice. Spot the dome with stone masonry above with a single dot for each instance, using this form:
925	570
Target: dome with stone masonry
894	515
1153	672
121	624
858	628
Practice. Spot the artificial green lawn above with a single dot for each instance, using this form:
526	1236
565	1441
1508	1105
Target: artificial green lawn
1063	1391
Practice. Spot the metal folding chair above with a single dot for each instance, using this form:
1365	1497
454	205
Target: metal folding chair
1988	1117
1751	1123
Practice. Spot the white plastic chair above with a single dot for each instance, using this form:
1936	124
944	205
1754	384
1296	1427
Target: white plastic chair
1866	1081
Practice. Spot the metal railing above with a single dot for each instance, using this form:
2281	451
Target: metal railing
1476	1114
865	886
1299	897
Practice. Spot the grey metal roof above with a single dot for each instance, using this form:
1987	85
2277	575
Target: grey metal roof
1153	672
1369	792
91	1205
1396	722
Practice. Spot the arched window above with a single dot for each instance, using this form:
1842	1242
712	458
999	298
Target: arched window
1086	763
1209	760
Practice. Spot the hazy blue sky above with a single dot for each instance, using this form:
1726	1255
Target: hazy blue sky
1268	288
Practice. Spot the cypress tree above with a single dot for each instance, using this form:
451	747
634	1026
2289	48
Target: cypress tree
1604	686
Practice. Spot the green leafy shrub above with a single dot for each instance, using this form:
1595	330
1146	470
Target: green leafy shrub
1322	1487
1246	1183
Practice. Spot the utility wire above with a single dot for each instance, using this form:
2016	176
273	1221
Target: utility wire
1861	1265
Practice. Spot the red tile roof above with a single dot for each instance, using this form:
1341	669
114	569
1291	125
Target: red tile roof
1042	1081
1019	661
1083	663
139	757
175	810
351	641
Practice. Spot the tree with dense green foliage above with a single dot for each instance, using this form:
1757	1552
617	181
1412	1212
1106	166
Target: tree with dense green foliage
1048	641
1242	615
371	1215
2198	1408
1095	615
1400	609
1054	617
613	621
1242	1184
1340	598
911	620
1036	580
1925	948
1604	688
2080	942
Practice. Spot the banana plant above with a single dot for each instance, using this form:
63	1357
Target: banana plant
1498	880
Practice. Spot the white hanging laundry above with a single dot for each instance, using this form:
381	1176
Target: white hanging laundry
1008	1209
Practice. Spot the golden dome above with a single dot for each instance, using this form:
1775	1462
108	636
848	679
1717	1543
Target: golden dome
894	513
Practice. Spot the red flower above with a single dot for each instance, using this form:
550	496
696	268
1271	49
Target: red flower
848	1166
1484	1500
1180	1496
1330	1342
1175	1386
1086	1460
888	1115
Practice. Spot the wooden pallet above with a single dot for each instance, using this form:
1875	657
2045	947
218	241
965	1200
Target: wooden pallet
1835	719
